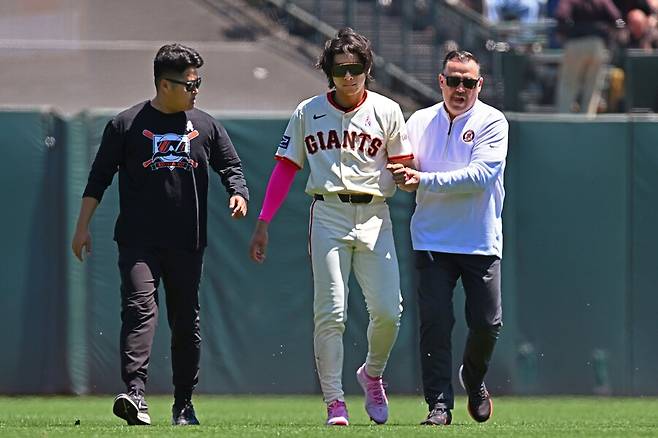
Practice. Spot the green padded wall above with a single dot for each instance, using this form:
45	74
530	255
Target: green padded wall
579	271
642	296
571	196
33	299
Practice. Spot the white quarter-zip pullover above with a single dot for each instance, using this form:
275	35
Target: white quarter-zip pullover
459	201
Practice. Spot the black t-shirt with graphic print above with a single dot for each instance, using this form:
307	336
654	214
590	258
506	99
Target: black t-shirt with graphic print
163	161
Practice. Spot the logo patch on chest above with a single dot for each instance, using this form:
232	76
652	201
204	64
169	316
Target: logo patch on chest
170	151
468	136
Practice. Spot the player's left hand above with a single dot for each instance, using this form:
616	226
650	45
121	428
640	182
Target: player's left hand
258	244
238	206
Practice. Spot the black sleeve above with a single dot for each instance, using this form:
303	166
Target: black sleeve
225	161
106	163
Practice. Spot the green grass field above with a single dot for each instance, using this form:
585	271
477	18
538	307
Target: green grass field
303	416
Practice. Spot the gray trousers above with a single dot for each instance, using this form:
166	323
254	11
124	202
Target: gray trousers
438	274
581	73
141	271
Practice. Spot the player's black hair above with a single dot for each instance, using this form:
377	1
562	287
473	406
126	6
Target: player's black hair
175	59
346	41
461	56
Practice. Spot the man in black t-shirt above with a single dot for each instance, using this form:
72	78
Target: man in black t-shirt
162	149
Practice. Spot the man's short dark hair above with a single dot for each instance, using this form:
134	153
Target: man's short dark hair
461	56
175	59
346	41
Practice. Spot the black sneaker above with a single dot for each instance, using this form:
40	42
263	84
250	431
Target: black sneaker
182	414
439	416
480	405
132	407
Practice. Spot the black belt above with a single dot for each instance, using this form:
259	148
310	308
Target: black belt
349	197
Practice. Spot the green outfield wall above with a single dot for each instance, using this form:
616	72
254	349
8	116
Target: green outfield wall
579	269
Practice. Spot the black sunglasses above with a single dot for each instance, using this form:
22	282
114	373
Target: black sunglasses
189	85
454	81
340	70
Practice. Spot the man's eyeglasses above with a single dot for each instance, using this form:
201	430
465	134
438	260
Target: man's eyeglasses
340	70
454	81
189	85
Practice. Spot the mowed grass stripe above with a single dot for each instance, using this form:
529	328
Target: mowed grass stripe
304	416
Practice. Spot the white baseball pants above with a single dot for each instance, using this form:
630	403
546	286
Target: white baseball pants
345	236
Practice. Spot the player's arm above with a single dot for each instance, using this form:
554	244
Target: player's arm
277	190
225	161
106	163
399	147
290	158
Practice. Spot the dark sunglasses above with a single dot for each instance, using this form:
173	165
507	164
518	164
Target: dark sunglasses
454	81
340	70
189	85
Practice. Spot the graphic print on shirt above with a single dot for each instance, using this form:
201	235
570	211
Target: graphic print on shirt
171	151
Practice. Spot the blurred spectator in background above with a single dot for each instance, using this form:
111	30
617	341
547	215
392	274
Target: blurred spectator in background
525	11
476	5
523	14
391	7
653	17
641	35
586	27
551	7
625	6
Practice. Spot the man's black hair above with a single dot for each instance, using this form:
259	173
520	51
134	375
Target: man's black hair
460	55
174	59
346	41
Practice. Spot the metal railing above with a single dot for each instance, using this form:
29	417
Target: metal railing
410	41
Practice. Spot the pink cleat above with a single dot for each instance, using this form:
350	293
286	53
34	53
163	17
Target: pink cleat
337	413
376	401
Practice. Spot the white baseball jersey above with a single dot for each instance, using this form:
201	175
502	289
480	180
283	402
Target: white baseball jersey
459	201
347	151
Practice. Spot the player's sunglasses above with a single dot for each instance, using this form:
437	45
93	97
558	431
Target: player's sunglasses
340	70
454	81
189	85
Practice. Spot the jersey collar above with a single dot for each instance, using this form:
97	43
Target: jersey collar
333	103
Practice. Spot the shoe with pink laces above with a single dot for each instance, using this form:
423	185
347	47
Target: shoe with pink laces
337	414
376	401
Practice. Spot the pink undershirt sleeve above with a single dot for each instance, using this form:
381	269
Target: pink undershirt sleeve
277	188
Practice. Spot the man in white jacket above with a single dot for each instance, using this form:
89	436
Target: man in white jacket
460	147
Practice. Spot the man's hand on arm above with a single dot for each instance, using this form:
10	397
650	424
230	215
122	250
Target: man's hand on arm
258	244
406	178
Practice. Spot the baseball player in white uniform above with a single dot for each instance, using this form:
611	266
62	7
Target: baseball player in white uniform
348	136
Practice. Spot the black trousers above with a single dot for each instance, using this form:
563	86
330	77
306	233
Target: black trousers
438	275
141	270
